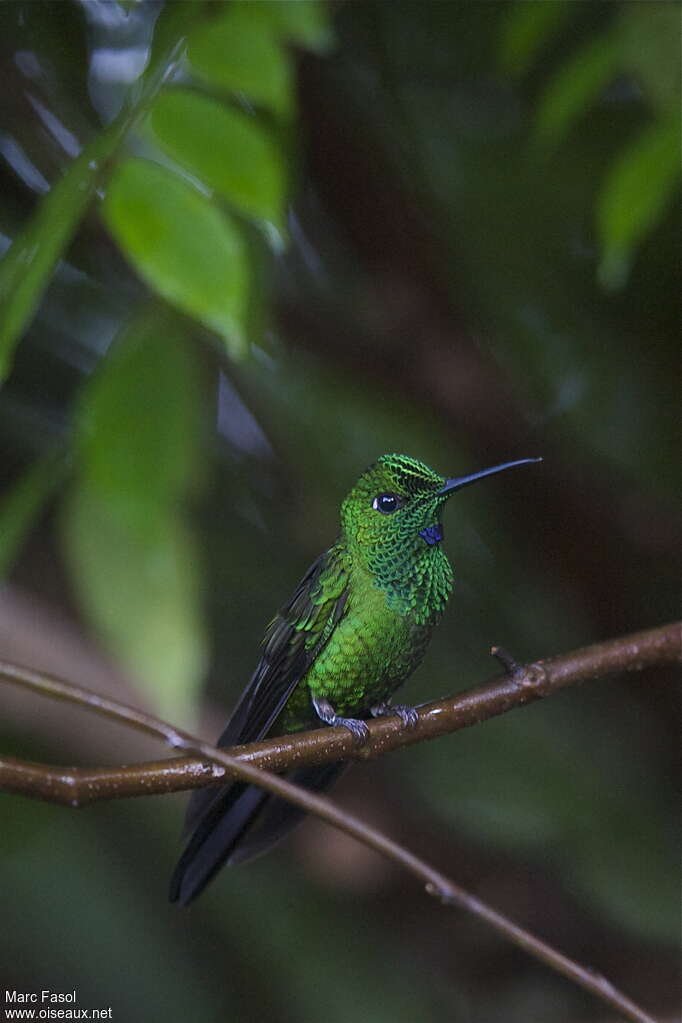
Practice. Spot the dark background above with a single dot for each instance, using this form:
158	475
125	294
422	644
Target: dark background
447	292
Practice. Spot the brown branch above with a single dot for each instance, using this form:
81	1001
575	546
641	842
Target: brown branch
656	646
78	787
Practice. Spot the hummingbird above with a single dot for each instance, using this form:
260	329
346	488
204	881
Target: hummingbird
356	627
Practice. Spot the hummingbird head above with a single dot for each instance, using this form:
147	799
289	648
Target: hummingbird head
392	503
391	523
399	499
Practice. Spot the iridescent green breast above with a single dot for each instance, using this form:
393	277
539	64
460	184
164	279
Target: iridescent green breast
379	641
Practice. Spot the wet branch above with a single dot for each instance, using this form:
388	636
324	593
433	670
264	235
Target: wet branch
207	764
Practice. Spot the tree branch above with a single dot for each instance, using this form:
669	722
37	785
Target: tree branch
77	787
517	687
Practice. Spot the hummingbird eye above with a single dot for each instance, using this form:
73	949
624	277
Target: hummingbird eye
387	503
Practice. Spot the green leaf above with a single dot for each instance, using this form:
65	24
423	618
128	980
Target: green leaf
526	30
304	22
575	86
138	419
240	50
184	247
135	566
634	196
139	585
228	150
22	504
26	268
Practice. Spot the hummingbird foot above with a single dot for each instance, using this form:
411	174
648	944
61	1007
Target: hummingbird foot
326	713
408	715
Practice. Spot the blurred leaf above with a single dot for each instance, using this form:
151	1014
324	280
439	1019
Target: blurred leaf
635	195
138	582
305	22
527	29
138	421
575	86
184	247
21	505
240	50
134	562
26	268
171	30
649	35
228	150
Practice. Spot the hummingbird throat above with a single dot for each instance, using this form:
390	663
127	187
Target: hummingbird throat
432	534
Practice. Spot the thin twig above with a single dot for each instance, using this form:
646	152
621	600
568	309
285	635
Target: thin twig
629	653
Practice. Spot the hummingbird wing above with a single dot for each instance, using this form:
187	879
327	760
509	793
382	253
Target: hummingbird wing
220	820
292	642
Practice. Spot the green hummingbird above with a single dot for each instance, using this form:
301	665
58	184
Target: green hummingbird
356	627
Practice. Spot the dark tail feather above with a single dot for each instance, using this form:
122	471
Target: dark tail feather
226	818
236	824
278	817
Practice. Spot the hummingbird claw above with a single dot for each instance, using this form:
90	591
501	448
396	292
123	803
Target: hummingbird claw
408	715
355	726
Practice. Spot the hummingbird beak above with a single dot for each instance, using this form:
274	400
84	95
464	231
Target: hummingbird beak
463	481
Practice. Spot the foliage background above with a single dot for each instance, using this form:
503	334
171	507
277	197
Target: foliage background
307	236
